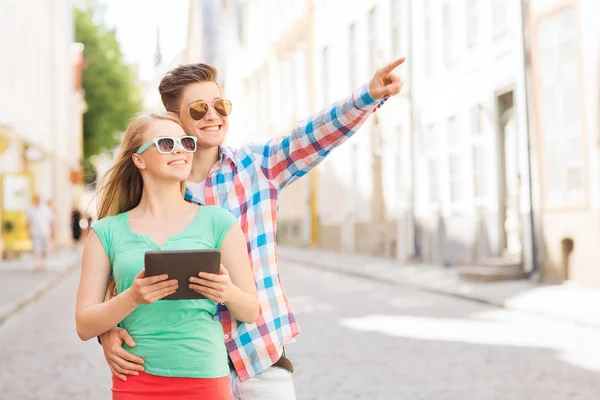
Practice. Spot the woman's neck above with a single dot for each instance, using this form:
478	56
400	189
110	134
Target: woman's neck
161	200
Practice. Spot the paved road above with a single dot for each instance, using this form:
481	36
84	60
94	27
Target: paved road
359	340
41	356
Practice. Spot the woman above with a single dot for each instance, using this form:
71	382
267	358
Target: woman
142	209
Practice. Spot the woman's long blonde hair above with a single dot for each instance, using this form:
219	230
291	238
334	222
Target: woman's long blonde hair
121	188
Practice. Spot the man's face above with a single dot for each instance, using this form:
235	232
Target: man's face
211	130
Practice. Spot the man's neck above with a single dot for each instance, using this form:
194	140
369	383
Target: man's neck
204	159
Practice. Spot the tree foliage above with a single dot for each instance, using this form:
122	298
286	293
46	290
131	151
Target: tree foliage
112	92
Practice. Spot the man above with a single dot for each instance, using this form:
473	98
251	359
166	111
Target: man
247	182
39	222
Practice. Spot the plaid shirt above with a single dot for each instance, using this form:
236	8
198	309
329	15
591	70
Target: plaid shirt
247	182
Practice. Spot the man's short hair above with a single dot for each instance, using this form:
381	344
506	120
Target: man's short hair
178	78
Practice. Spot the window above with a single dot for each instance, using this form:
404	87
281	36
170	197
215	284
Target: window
472	23
395	13
399	159
455	162
452	132
352	55
428	139
434	193
263	90
288	88
434	185
478	154
428	37
373	43
499	19
241	12
455	172
476	123
479	171
429	150
325	64
560	104
448	35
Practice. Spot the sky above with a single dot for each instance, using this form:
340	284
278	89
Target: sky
136	22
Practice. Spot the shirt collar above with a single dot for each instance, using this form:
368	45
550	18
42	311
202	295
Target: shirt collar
226	152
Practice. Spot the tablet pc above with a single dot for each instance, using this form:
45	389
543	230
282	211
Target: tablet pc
181	265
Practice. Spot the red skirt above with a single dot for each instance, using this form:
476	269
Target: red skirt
151	387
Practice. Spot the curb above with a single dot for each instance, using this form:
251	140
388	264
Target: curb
424	288
33	295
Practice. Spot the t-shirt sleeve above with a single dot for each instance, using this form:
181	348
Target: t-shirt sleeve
223	220
102	229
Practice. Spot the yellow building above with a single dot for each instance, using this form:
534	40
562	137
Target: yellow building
40	116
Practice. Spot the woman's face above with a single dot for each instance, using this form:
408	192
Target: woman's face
175	166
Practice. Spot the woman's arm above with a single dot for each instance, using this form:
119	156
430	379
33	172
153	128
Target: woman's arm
235	285
243	305
93	316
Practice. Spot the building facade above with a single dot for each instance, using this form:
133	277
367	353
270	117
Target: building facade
40	116
243	47
472	188
489	157
565	45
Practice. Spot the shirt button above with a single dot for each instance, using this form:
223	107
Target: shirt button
226	336
222	304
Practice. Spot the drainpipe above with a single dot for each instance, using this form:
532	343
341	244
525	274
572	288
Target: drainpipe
413	124
313	179
525	69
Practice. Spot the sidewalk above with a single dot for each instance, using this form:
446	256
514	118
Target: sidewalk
20	283
566	302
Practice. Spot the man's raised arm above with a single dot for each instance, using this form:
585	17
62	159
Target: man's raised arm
286	159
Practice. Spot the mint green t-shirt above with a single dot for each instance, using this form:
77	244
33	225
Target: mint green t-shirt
177	338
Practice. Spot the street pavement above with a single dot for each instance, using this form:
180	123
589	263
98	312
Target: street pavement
566	302
360	339
22	282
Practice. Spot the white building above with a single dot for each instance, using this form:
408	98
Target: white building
40	114
565	51
271	58
293	58
471	172
365	184
492	124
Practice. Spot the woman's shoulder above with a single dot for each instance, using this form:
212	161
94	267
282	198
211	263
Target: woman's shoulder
108	222
217	212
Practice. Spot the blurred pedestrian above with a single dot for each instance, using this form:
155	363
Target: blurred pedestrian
39	222
52	244
76	230
247	182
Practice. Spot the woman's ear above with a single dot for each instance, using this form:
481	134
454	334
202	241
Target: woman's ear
138	161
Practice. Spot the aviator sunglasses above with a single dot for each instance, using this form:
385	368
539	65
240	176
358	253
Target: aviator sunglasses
199	109
166	145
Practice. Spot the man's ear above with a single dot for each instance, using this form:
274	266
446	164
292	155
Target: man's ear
138	161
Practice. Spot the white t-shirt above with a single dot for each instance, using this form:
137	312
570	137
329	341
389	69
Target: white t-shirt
40	219
197	189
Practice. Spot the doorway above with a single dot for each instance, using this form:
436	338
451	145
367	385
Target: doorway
509	182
